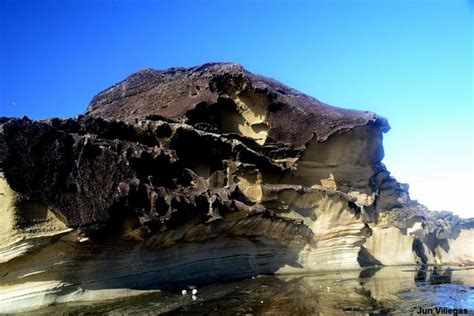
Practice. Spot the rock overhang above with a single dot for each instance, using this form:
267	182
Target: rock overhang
186	157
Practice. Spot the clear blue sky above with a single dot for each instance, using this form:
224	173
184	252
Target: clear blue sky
410	61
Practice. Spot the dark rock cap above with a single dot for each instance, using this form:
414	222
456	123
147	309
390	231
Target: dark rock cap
291	116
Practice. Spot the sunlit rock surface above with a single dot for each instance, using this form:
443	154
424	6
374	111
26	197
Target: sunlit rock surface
199	175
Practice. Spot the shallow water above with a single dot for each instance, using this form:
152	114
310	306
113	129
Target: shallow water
390	290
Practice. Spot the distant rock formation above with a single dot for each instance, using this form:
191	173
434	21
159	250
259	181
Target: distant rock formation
204	174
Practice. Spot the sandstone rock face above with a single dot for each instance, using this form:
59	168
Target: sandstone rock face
188	176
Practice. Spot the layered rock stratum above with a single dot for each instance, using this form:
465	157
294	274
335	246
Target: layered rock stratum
195	175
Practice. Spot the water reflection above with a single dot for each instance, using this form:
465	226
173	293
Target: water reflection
433	275
370	292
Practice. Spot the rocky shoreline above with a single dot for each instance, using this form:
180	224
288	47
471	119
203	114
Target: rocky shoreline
200	175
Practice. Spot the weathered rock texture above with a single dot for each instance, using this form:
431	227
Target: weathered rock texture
186	176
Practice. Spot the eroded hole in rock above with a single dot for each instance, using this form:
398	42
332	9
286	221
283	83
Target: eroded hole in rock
160	169
204	117
122	223
249	180
203	155
260	128
246	114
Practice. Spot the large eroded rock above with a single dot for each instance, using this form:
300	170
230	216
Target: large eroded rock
188	176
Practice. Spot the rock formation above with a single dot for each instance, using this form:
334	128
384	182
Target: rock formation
203	174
